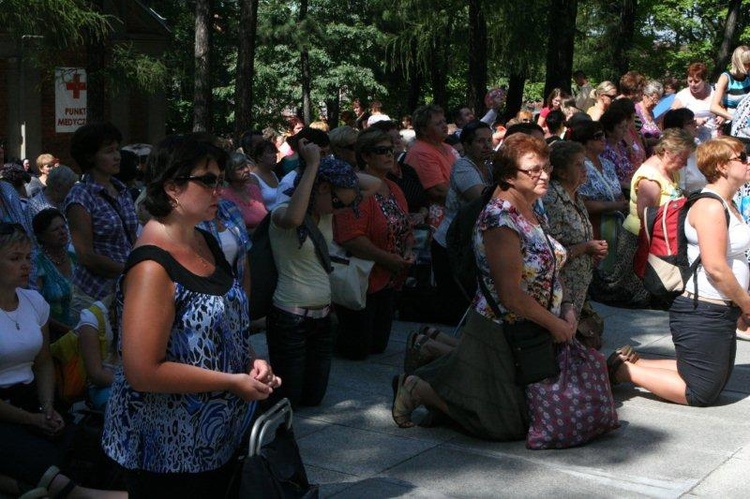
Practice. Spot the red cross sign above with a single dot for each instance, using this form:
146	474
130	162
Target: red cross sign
76	85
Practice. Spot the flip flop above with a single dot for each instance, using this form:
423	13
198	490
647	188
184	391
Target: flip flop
614	362
400	410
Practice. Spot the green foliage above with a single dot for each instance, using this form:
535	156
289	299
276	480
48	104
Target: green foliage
135	71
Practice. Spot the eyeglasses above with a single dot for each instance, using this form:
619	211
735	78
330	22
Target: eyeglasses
209	180
8	228
536	172
380	150
597	136
742	158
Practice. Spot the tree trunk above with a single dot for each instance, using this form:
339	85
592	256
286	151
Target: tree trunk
243	118
514	101
202	121
477	57
624	32
304	59
729	39
333	108
439	71
560	44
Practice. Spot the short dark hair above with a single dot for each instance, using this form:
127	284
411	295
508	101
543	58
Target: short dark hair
261	148
422	116
128	167
469	131
624	104
385	125
555	120
246	141
44	218
584	131
88	139
611	118
367	139
525	128
561	155
678	118
176	156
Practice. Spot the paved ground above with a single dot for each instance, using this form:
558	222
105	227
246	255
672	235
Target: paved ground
353	449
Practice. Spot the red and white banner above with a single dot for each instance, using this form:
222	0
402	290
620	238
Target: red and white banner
70	99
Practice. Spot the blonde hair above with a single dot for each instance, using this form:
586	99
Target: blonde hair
43	159
18	236
717	152
320	125
740	57
604	87
676	141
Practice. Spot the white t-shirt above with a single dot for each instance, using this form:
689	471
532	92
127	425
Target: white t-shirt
19	347
702	109
285	183
738	242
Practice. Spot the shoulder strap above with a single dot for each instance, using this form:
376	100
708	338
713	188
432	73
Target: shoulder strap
694	266
321	247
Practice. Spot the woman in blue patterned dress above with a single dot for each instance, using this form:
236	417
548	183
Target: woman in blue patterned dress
518	264
182	401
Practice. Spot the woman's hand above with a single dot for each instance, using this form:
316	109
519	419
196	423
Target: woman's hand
397	264
49	423
248	388
262	372
565	328
597	248
309	151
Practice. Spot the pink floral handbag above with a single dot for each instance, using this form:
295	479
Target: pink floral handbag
574	407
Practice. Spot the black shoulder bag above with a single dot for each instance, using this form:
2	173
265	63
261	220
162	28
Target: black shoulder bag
531	344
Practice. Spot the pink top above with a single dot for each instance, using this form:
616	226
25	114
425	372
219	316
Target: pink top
253	210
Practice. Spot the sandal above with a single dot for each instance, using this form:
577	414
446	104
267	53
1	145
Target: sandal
46	481
617	358
414	357
403	402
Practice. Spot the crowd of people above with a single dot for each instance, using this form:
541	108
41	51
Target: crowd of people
145	265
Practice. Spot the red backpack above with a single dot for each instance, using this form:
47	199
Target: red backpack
661	258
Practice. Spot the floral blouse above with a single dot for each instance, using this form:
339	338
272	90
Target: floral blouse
568	223
537	274
618	155
601	186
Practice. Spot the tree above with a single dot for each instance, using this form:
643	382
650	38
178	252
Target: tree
245	65
202	119
729	37
304	60
560	44
477	80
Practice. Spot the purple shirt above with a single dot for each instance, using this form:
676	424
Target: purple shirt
113	225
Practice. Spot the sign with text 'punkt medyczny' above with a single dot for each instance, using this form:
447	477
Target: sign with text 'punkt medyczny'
70	99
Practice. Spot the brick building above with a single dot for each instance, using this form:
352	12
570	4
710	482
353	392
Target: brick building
28	94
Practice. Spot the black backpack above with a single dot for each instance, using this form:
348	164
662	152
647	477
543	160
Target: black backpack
263	273
459	242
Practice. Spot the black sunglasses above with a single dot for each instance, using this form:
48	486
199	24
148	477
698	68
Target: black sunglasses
380	150
209	180
741	156
8	228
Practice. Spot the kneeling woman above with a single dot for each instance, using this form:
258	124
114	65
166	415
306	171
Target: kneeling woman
703	327
518	264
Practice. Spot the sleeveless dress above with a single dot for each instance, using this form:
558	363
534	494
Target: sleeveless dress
186	432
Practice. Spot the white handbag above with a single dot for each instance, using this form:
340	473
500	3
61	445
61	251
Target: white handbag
349	279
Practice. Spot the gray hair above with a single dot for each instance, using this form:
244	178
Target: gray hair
653	87
61	178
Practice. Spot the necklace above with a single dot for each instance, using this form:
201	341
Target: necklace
52	259
15	321
206	264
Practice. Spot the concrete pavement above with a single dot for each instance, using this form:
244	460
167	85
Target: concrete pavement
352	448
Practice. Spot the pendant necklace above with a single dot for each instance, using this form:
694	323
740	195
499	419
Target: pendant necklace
206	264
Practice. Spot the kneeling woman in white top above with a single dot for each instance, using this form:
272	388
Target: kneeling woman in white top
703	327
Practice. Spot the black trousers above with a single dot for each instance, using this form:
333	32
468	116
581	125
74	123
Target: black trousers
367	331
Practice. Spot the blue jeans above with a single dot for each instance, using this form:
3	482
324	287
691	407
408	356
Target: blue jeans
300	351
705	344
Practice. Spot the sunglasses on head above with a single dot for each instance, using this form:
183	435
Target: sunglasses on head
208	180
380	150
8	228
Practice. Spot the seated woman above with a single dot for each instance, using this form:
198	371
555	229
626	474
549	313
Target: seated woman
264	154
98	351
469	177
703	326
733	86
243	192
380	232
55	263
604	94
185	394
30	428
569	224
475	383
